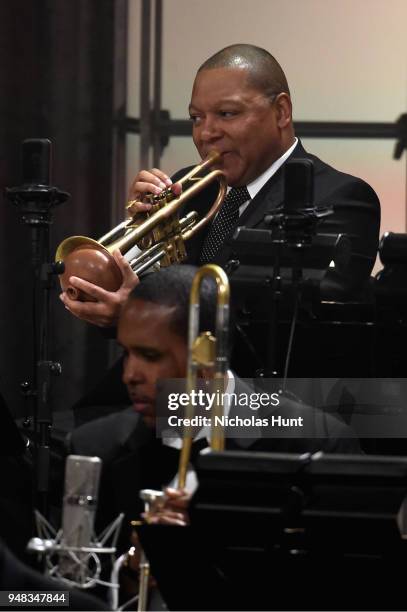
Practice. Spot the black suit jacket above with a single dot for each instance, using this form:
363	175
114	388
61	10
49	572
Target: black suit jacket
134	459
356	213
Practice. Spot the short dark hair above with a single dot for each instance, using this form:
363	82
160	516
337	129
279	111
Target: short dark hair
263	70
171	287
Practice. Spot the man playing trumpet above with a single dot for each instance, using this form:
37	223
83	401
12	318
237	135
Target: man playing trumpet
241	108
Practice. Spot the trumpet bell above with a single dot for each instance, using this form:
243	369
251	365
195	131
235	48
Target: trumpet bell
89	260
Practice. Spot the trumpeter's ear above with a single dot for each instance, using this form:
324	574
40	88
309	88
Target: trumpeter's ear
284	110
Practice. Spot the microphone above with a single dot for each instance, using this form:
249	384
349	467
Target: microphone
82	476
73	554
36	162
297	218
298	185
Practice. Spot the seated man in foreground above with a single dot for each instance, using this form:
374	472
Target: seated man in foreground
152	330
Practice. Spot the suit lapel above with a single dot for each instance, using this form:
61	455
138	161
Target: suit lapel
270	196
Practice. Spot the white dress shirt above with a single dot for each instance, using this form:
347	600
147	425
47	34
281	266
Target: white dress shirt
254	187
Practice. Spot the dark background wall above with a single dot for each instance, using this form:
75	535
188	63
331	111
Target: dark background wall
56	81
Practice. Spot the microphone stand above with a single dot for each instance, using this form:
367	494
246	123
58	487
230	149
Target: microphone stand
35	199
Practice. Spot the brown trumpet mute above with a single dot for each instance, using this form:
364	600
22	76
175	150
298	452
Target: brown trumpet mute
90	261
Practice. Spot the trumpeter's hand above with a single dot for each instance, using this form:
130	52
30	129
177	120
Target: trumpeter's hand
104	308
147	182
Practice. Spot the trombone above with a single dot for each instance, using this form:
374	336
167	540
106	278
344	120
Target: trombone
159	235
208	352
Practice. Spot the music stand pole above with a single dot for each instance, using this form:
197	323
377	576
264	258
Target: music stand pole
275	296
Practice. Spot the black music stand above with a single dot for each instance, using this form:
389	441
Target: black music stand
286	263
286	532
269	274
390	284
259	256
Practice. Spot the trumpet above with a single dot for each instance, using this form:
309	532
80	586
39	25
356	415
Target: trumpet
158	234
204	351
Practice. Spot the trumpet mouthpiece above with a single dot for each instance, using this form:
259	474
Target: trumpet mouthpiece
213	156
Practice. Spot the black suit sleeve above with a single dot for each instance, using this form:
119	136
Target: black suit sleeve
357	214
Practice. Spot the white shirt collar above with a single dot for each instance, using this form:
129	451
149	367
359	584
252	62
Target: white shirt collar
254	187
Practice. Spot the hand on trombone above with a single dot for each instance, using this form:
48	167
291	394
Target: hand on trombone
172	511
104	309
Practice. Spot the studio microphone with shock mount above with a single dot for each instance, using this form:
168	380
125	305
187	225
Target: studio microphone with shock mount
73	553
